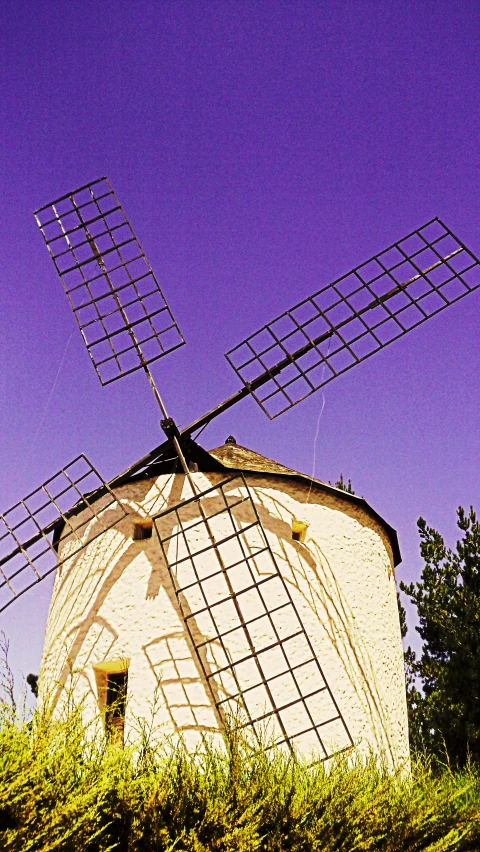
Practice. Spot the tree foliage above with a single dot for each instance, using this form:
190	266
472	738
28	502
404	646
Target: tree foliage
344	486
446	715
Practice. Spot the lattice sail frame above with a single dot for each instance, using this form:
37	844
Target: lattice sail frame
353	317
77	497
255	654
112	289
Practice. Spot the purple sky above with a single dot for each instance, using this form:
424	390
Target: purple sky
260	149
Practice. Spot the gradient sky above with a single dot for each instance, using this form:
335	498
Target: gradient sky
260	150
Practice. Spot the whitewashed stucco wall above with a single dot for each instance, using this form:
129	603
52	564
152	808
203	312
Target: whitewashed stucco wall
115	601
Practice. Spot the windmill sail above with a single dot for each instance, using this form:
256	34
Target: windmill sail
75	505
353	317
243	621
112	289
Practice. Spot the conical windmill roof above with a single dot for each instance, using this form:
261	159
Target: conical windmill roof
241	458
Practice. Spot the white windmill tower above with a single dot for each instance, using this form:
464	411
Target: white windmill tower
197	584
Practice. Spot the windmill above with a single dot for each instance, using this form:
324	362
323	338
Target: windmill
242	615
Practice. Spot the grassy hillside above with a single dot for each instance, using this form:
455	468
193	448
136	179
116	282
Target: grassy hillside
58	792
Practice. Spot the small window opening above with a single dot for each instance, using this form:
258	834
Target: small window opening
115	705
142	530
299	530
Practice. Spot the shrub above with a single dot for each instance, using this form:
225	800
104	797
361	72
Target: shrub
60	791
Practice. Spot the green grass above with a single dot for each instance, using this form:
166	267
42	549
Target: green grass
60	792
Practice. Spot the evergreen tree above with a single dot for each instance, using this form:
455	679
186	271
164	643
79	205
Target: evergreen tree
414	697
447	598
344	486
